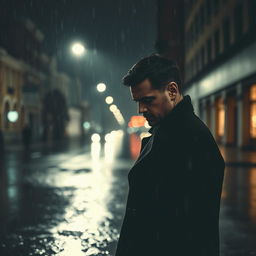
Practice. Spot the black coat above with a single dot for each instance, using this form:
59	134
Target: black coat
174	190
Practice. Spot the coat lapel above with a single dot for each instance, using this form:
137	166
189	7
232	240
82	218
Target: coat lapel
147	148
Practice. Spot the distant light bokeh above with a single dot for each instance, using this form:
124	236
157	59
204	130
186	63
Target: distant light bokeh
12	116
101	87
113	108
95	137
109	100
78	49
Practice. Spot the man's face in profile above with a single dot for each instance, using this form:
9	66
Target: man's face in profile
153	103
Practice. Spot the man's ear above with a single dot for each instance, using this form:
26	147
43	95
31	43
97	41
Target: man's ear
172	89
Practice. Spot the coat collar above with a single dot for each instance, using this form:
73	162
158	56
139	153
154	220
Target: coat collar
183	108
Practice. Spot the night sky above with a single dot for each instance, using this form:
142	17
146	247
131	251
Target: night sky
116	33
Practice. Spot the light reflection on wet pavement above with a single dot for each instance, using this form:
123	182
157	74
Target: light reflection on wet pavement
73	204
67	207
238	212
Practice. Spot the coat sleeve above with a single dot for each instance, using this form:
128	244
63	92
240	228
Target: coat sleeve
188	197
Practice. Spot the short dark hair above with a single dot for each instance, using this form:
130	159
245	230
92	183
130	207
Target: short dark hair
157	69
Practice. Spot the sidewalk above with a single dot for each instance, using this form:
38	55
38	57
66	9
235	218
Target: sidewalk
71	144
238	157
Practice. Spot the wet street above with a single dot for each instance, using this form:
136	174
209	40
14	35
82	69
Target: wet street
71	202
238	212
64	203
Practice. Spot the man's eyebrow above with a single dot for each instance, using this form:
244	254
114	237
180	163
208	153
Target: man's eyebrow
144	98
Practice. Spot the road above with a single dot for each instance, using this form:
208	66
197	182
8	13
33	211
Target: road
72	201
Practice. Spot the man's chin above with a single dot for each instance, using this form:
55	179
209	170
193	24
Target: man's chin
152	123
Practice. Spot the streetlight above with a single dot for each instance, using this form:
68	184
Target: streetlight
113	108
12	116
101	87
78	49
109	100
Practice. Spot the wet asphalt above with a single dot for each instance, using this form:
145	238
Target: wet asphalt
71	202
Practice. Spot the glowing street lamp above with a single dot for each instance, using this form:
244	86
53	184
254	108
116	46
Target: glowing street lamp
101	87
113	108
95	137
109	100
78	49
12	116
86	125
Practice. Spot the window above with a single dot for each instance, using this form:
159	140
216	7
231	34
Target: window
188	39
201	110
193	67
253	111
202	57
187	10
188	71
201	19
197	27
252	16
215	6
226	33
191	37
10	78
208	11
217	42
186	44
197	58
193	33
208	114
209	50
221	118
238	21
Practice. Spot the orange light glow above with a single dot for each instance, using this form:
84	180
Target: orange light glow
253	120
253	92
135	144
253	111
221	118
137	121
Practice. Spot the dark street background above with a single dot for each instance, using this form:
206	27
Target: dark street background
69	131
116	33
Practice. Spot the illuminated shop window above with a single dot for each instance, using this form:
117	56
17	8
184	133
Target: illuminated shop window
253	92
253	120
253	111
221	118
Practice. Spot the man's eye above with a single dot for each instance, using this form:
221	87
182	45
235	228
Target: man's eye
148	100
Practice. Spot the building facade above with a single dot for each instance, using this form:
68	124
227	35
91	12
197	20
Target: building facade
170	36
23	79
27	75
11	81
220	67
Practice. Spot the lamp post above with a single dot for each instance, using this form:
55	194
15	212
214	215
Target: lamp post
78	49
101	87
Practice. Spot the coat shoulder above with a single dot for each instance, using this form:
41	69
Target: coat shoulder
197	130
201	136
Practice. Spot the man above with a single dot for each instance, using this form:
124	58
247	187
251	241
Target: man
175	185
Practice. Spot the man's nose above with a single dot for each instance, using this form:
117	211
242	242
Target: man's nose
142	108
